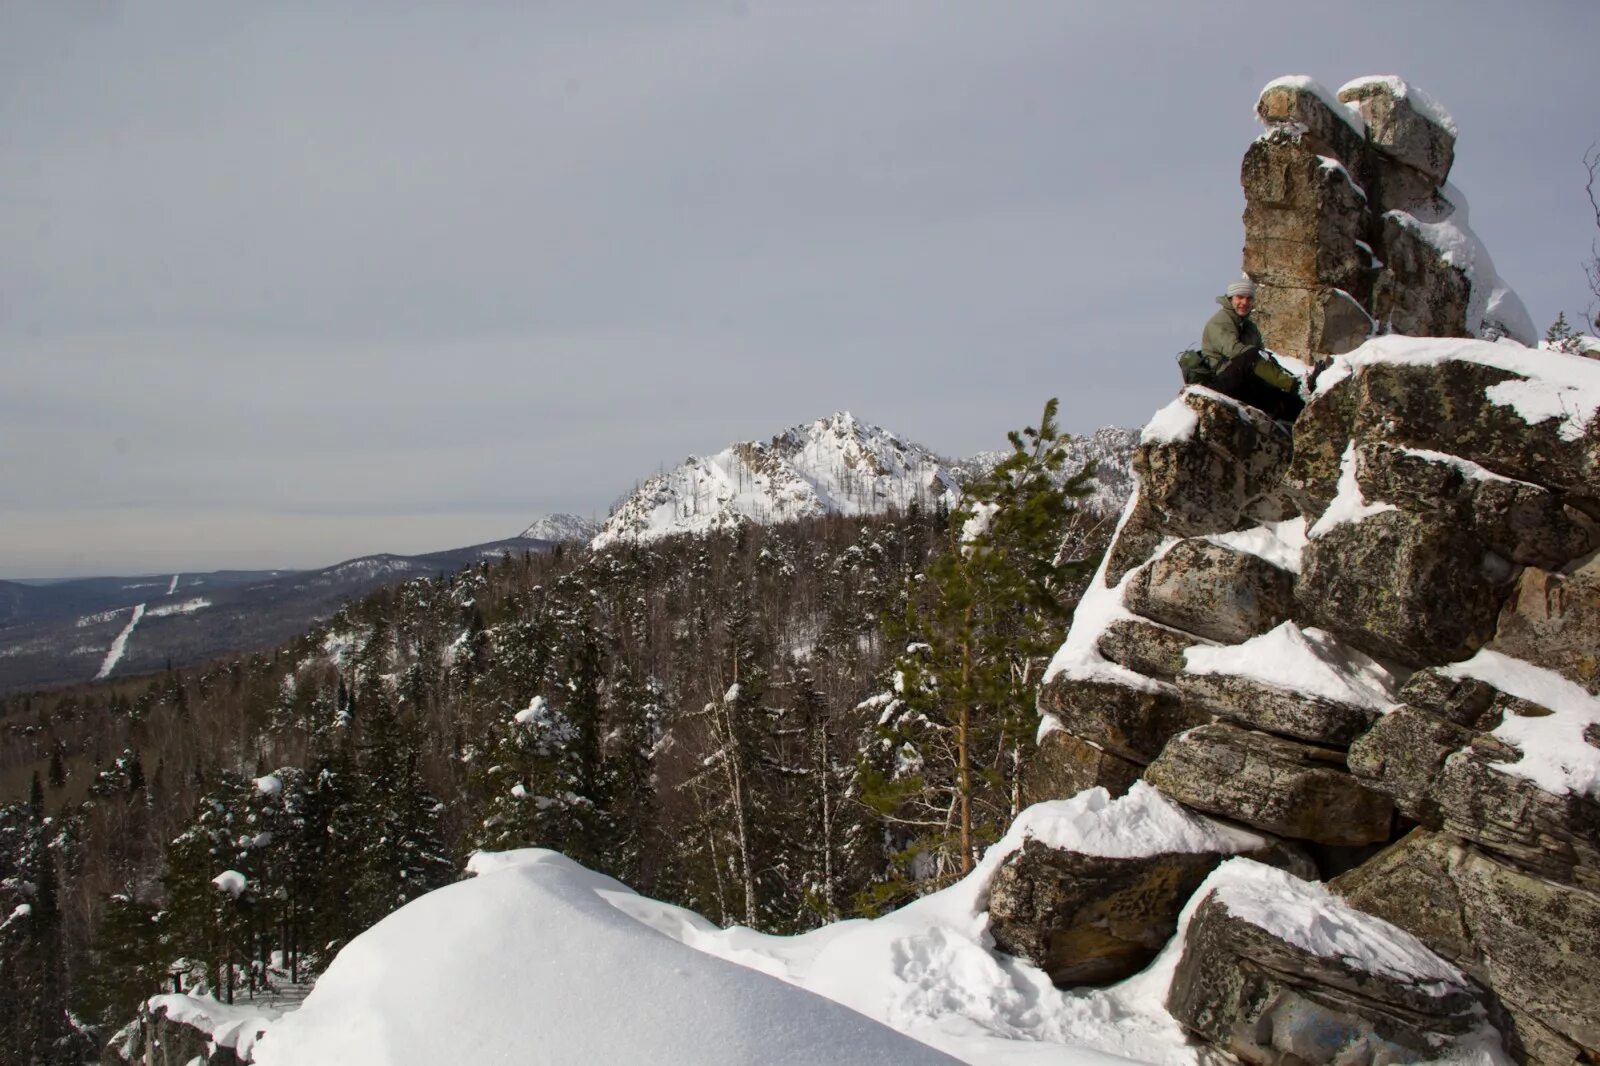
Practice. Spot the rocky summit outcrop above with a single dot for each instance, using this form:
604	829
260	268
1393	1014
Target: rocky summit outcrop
1387	618
1351	228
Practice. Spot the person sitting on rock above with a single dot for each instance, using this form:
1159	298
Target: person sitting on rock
1232	363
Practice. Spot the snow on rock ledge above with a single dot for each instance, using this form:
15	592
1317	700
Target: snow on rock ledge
1276	969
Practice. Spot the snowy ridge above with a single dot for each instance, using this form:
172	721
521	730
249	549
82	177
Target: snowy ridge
835	465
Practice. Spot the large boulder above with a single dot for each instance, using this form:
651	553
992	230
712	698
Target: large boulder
1526	523
1097	908
1458	699
1410	588
1285	788
1449	777
1219	593
1324	126
1128	720
1279	972
1463	407
1404	124
1534	943
1062	765
1420	292
1204	464
1553	620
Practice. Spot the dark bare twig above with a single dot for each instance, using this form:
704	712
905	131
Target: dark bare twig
1591	269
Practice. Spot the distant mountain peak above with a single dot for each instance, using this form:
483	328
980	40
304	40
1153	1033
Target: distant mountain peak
561	527
833	465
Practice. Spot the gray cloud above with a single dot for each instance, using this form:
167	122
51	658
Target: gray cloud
283	286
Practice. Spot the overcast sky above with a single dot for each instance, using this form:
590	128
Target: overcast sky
282	284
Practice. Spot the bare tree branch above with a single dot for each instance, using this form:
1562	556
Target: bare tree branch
1591	269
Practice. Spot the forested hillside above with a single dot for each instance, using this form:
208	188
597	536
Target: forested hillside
776	726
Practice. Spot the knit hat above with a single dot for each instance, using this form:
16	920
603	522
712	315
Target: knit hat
1243	287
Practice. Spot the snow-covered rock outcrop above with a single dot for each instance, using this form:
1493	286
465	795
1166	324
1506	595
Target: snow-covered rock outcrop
1394	616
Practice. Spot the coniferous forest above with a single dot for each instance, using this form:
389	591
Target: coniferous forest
776	727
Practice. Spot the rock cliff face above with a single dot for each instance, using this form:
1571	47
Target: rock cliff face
1351	227
1373	641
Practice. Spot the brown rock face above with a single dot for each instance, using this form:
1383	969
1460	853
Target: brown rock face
1324	131
1441	408
1279	786
1418	293
1268	1001
1553	621
1400	130
1401	587
1225	595
1305	219
1127	722
1462	700
1535	944
1088	920
1063	766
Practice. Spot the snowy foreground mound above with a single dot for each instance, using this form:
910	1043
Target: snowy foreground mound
537	960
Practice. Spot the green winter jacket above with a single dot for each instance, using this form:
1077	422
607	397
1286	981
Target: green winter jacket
1227	335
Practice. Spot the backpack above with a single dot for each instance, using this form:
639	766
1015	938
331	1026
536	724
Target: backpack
1195	368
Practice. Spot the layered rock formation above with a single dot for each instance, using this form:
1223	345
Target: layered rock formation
1375	640
1351	227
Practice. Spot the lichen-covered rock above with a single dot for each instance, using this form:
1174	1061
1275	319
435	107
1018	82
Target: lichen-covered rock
1400	586
1403	131
1280	786
1205	480
1462	700
1402	757
1534	943
1444	406
1553	620
1063	765
1449	777
1089	920
1526	523
1272	709
1128	721
1339	987
1215	592
1147	647
1096	907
